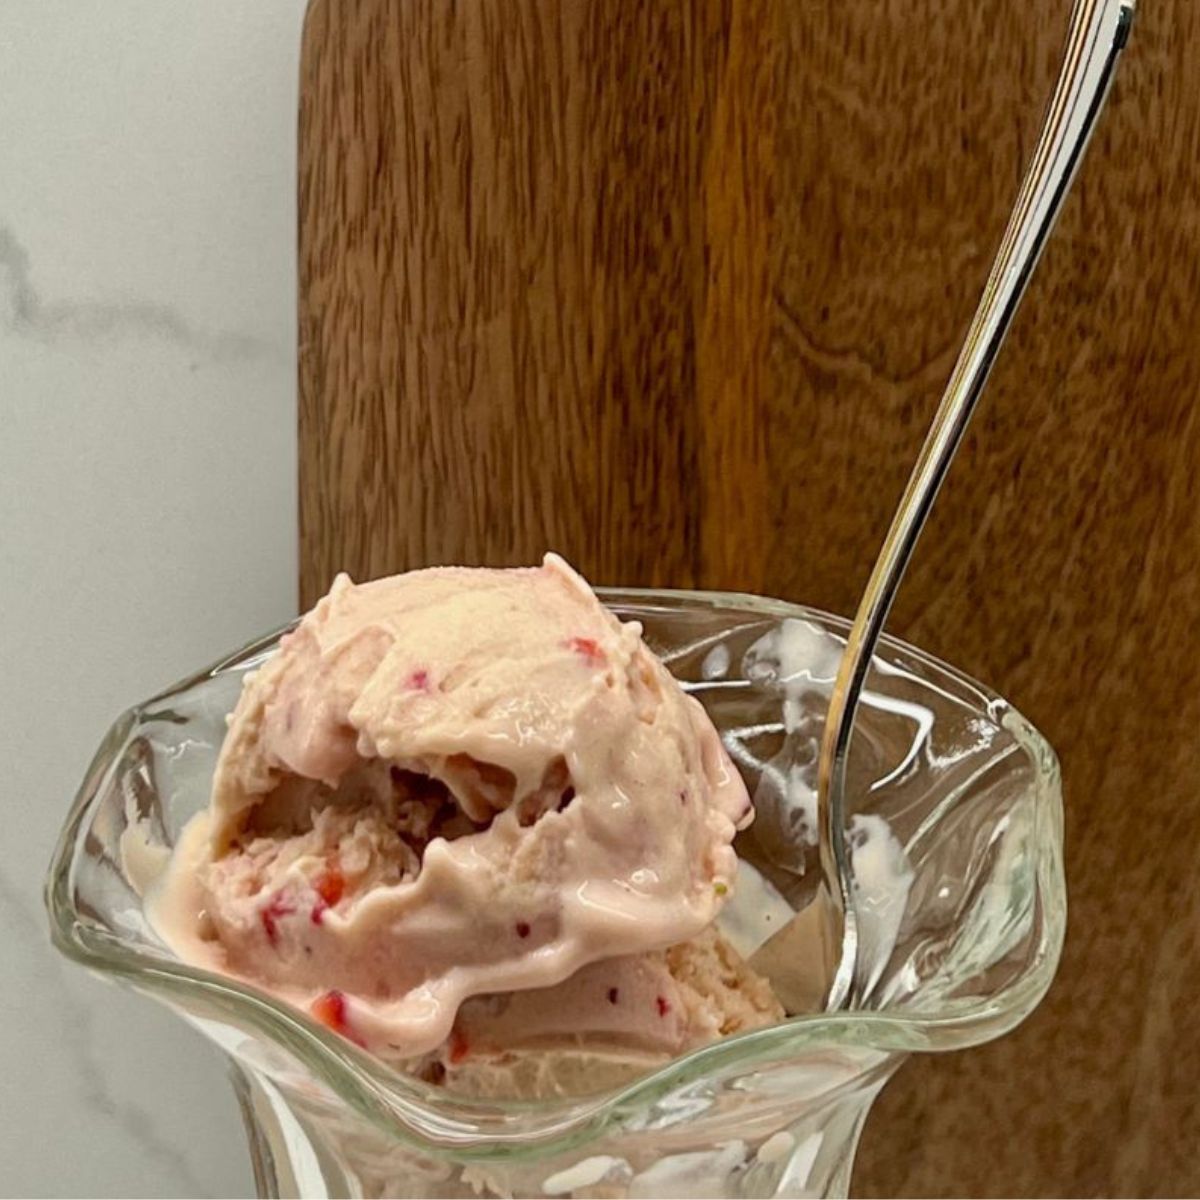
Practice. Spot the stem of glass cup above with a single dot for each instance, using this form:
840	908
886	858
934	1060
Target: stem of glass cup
1096	36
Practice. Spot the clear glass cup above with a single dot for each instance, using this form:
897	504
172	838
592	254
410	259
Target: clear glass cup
966	785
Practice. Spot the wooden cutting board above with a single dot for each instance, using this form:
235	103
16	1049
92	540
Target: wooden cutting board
673	288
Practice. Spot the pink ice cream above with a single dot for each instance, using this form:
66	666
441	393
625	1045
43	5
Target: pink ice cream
460	807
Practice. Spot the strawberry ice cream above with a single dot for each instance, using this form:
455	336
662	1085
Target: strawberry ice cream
464	817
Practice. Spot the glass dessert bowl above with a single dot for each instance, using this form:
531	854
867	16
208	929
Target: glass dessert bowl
956	813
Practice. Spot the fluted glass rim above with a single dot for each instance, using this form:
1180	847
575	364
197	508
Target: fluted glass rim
383	1094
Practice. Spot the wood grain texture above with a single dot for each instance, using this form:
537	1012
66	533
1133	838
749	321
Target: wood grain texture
673	289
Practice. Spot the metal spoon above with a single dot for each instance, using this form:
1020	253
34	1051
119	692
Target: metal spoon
1098	32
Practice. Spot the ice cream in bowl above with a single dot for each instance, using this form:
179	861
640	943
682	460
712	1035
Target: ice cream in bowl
487	884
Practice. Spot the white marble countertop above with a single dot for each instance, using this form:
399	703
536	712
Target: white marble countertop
147	503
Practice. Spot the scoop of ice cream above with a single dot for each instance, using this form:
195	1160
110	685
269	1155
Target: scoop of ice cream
450	784
605	1025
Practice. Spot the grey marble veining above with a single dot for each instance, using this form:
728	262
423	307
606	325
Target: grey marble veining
147	505
28	315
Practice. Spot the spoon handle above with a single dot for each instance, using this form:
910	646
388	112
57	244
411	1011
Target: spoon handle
1098	32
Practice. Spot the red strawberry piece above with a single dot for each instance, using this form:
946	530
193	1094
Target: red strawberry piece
332	1011
588	649
522	929
613	995
663	1005
278	906
330	885
418	681
459	1047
